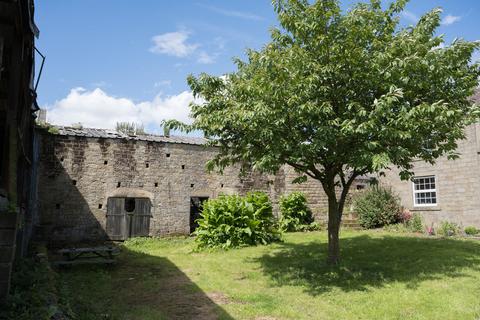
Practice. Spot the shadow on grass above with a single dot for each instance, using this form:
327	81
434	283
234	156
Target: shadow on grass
139	286
370	262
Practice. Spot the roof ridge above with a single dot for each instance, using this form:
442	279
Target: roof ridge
113	134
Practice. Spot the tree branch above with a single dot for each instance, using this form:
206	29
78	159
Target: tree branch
346	188
301	168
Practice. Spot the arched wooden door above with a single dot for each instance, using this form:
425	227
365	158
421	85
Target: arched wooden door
140	219
128	217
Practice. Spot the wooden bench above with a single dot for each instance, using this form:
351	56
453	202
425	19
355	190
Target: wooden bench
92	255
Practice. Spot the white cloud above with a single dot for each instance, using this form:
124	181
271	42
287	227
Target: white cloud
205	58
449	19
162	83
235	14
173	44
97	109
176	44
410	16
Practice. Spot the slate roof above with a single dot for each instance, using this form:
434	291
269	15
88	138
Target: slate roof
112	134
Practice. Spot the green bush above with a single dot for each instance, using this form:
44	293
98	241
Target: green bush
471	231
415	223
377	207
397	227
231	221
448	229
412	224
295	214
314	226
53	130
35	293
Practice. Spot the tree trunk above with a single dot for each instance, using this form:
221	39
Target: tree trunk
335	210
334	218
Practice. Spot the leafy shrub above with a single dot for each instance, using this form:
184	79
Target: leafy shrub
415	223
231	221
397	227
411	221
377	207
471	231
53	130
448	229
35	293
314	226
405	216
408	223
295	214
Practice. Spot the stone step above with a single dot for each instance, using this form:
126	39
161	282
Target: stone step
352	228
351	223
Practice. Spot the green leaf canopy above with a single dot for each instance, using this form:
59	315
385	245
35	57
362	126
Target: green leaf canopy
345	90
339	94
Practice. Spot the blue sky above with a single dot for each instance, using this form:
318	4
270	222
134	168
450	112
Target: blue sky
120	60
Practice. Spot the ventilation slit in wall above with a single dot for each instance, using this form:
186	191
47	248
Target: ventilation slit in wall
156	184
61	159
183	167
100	206
192	185
105	162
168	155
74	182
221	186
118	184
146	165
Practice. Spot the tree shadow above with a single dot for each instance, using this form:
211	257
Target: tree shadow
370	262
139	286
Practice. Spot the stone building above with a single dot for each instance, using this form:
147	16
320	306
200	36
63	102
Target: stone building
448	190
95	184
17	144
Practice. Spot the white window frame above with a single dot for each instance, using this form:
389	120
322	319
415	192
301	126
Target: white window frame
415	204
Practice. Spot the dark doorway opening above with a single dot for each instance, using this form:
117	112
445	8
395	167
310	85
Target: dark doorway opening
195	211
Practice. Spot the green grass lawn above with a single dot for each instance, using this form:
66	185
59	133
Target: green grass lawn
382	276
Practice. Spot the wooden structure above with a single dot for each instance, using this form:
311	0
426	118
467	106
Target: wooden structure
17	144
91	255
128	217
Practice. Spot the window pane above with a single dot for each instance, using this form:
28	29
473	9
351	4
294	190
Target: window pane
422	187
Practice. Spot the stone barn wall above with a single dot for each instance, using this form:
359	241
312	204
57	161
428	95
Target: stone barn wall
78	173
80	169
316	197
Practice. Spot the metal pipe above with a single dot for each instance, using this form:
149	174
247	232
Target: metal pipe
41	67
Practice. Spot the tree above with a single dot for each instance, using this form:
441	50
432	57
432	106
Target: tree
340	94
130	128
